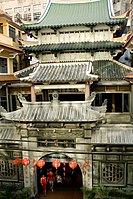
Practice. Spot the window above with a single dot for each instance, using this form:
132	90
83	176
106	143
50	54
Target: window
12	33
36	7
36	15
3	65
7	169
17	9
116	102
27	17
27	8
44	5
112	173
8	11
1	28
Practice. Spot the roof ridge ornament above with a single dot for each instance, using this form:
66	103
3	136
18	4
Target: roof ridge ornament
21	97
55	96
91	97
2	109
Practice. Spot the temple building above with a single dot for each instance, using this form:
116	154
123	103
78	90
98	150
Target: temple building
75	103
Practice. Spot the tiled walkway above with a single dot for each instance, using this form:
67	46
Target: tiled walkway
63	193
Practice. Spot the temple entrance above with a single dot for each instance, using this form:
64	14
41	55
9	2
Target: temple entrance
66	178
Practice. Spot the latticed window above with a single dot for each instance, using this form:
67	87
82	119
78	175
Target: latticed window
7	169
112	173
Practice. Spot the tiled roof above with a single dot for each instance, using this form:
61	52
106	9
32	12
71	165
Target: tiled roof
8	134
26	71
82	46
61	72
107	134
81	13
110	70
75	71
56	111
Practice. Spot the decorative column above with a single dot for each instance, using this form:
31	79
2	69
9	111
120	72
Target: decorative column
87	90
33	169
33	94
25	154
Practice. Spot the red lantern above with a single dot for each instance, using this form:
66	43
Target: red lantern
56	164
26	161
72	164
17	161
40	163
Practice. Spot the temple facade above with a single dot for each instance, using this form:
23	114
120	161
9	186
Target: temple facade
74	102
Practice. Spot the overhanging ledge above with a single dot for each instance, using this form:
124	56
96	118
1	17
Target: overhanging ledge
60	86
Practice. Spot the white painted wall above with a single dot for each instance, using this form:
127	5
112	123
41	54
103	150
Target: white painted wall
75	34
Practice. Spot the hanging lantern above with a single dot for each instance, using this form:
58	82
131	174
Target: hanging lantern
40	163
17	161
26	161
72	164
56	164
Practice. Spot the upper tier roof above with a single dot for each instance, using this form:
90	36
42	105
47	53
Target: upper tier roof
90	13
105	70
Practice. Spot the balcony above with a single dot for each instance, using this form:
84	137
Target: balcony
6	40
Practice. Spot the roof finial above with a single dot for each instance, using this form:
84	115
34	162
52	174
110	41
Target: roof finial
55	96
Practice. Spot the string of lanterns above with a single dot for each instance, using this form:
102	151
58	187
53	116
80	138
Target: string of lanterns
56	164
40	163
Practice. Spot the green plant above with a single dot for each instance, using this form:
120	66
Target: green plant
97	193
10	192
106	193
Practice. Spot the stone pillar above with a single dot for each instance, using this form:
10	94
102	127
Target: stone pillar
87	175
87	90
131	103
25	154
33	170
33	95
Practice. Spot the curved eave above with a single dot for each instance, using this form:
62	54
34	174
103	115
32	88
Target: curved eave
45	115
89	79
58	26
83	46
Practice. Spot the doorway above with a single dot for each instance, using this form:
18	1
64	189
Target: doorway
70	178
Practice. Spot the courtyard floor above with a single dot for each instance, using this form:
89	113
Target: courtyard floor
63	193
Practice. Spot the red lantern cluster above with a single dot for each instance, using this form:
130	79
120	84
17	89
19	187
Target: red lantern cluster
26	161
40	163
72	164
56	164
17	161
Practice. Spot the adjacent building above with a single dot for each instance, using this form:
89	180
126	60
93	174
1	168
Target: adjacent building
28	10
11	56
121	6
32	10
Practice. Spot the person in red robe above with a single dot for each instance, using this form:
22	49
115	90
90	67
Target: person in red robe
51	179
43	182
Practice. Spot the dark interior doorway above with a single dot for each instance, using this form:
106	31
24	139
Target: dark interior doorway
71	178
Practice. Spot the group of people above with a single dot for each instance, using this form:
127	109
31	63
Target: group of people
50	178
